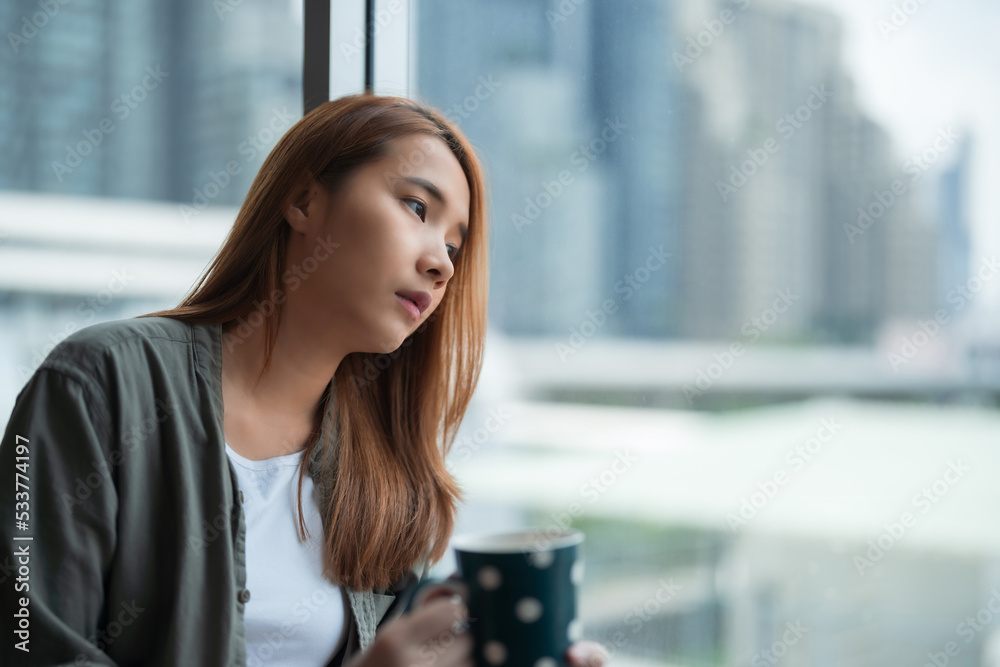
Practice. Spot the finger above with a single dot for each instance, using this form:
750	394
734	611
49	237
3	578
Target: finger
587	654
456	652
435	617
448	648
436	592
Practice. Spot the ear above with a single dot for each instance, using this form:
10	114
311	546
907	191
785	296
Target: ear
304	204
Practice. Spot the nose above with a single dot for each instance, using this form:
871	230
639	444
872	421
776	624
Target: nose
437	262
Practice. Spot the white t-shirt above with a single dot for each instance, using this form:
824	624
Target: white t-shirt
294	616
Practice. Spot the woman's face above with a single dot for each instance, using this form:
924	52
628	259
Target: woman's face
382	233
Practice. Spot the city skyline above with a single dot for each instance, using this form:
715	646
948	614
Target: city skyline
726	258
951	48
740	161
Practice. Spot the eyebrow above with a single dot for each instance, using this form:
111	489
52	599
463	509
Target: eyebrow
436	193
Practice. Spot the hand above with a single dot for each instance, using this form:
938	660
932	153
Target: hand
587	654
425	636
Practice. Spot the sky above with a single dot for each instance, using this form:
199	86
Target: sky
940	68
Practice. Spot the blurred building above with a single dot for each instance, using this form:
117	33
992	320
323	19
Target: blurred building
854	278
953	208
585	142
175	101
764	66
630	80
747	157
814	210
518	91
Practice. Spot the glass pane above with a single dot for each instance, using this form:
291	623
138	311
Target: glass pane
131	132
744	305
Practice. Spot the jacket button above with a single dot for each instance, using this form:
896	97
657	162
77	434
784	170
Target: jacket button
241	497
244	595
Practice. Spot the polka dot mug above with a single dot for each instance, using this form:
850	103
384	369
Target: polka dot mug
521	590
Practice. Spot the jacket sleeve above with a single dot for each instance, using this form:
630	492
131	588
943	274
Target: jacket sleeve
58	506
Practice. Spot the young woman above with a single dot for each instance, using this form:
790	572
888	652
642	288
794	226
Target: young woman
253	476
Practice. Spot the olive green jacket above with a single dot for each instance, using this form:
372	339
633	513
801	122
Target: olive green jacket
122	534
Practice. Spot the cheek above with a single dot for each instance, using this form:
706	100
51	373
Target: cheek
383	252
364	263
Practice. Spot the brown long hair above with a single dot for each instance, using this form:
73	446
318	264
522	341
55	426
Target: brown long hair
393	501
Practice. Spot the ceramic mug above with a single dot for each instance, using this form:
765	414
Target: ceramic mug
521	590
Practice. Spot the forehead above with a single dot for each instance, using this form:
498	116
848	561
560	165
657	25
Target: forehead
429	158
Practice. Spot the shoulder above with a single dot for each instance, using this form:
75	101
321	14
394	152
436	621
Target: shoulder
97	369
91	350
115	331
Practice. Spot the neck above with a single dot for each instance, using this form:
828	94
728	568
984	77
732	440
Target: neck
299	370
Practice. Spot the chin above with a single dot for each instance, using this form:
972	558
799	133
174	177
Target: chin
395	347
387	345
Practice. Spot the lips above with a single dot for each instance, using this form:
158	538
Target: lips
420	299
411	308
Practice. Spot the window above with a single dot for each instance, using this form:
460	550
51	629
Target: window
744	303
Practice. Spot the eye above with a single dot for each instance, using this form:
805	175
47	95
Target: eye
411	200
452	248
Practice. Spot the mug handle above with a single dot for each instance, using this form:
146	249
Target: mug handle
435	586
